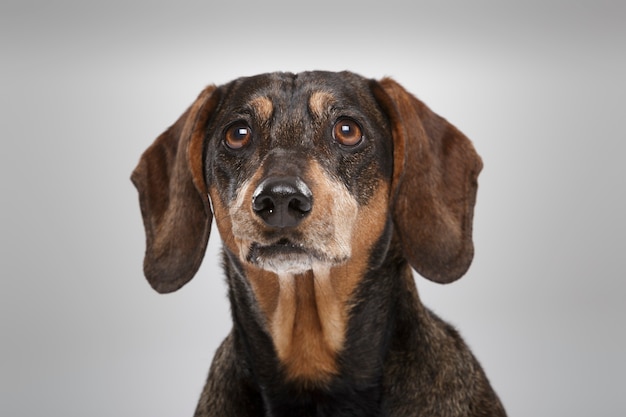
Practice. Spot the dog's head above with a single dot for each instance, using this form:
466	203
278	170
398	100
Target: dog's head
307	171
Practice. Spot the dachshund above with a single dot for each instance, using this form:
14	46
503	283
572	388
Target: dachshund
327	190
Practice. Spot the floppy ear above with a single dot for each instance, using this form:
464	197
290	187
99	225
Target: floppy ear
434	185
173	198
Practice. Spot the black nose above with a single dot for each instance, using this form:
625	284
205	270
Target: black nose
282	201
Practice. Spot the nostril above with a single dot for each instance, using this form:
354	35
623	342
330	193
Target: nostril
263	204
282	201
300	204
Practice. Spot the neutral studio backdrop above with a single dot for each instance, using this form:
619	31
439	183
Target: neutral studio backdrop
87	86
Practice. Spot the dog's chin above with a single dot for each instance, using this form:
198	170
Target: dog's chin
284	257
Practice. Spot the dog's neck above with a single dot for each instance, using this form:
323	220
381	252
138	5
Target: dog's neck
314	326
308	323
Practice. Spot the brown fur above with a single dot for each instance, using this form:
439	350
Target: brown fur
443	185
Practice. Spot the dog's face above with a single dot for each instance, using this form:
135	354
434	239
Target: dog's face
299	169
306	172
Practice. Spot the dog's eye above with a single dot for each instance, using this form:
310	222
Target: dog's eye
347	132
237	136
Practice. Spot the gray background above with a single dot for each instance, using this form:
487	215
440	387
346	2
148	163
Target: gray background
86	87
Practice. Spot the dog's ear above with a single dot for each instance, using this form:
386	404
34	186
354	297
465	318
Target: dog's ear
434	185
173	198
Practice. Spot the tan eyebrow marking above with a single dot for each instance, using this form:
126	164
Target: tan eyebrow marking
263	107
320	102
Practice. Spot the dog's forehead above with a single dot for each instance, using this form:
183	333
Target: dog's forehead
292	93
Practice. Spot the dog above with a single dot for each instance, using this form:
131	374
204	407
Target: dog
327	190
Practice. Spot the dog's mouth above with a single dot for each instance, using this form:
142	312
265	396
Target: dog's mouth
278	248
283	256
281	248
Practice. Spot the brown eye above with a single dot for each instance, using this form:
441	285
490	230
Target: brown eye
238	136
347	132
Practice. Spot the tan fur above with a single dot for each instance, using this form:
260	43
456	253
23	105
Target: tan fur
319	103
263	107
222	220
